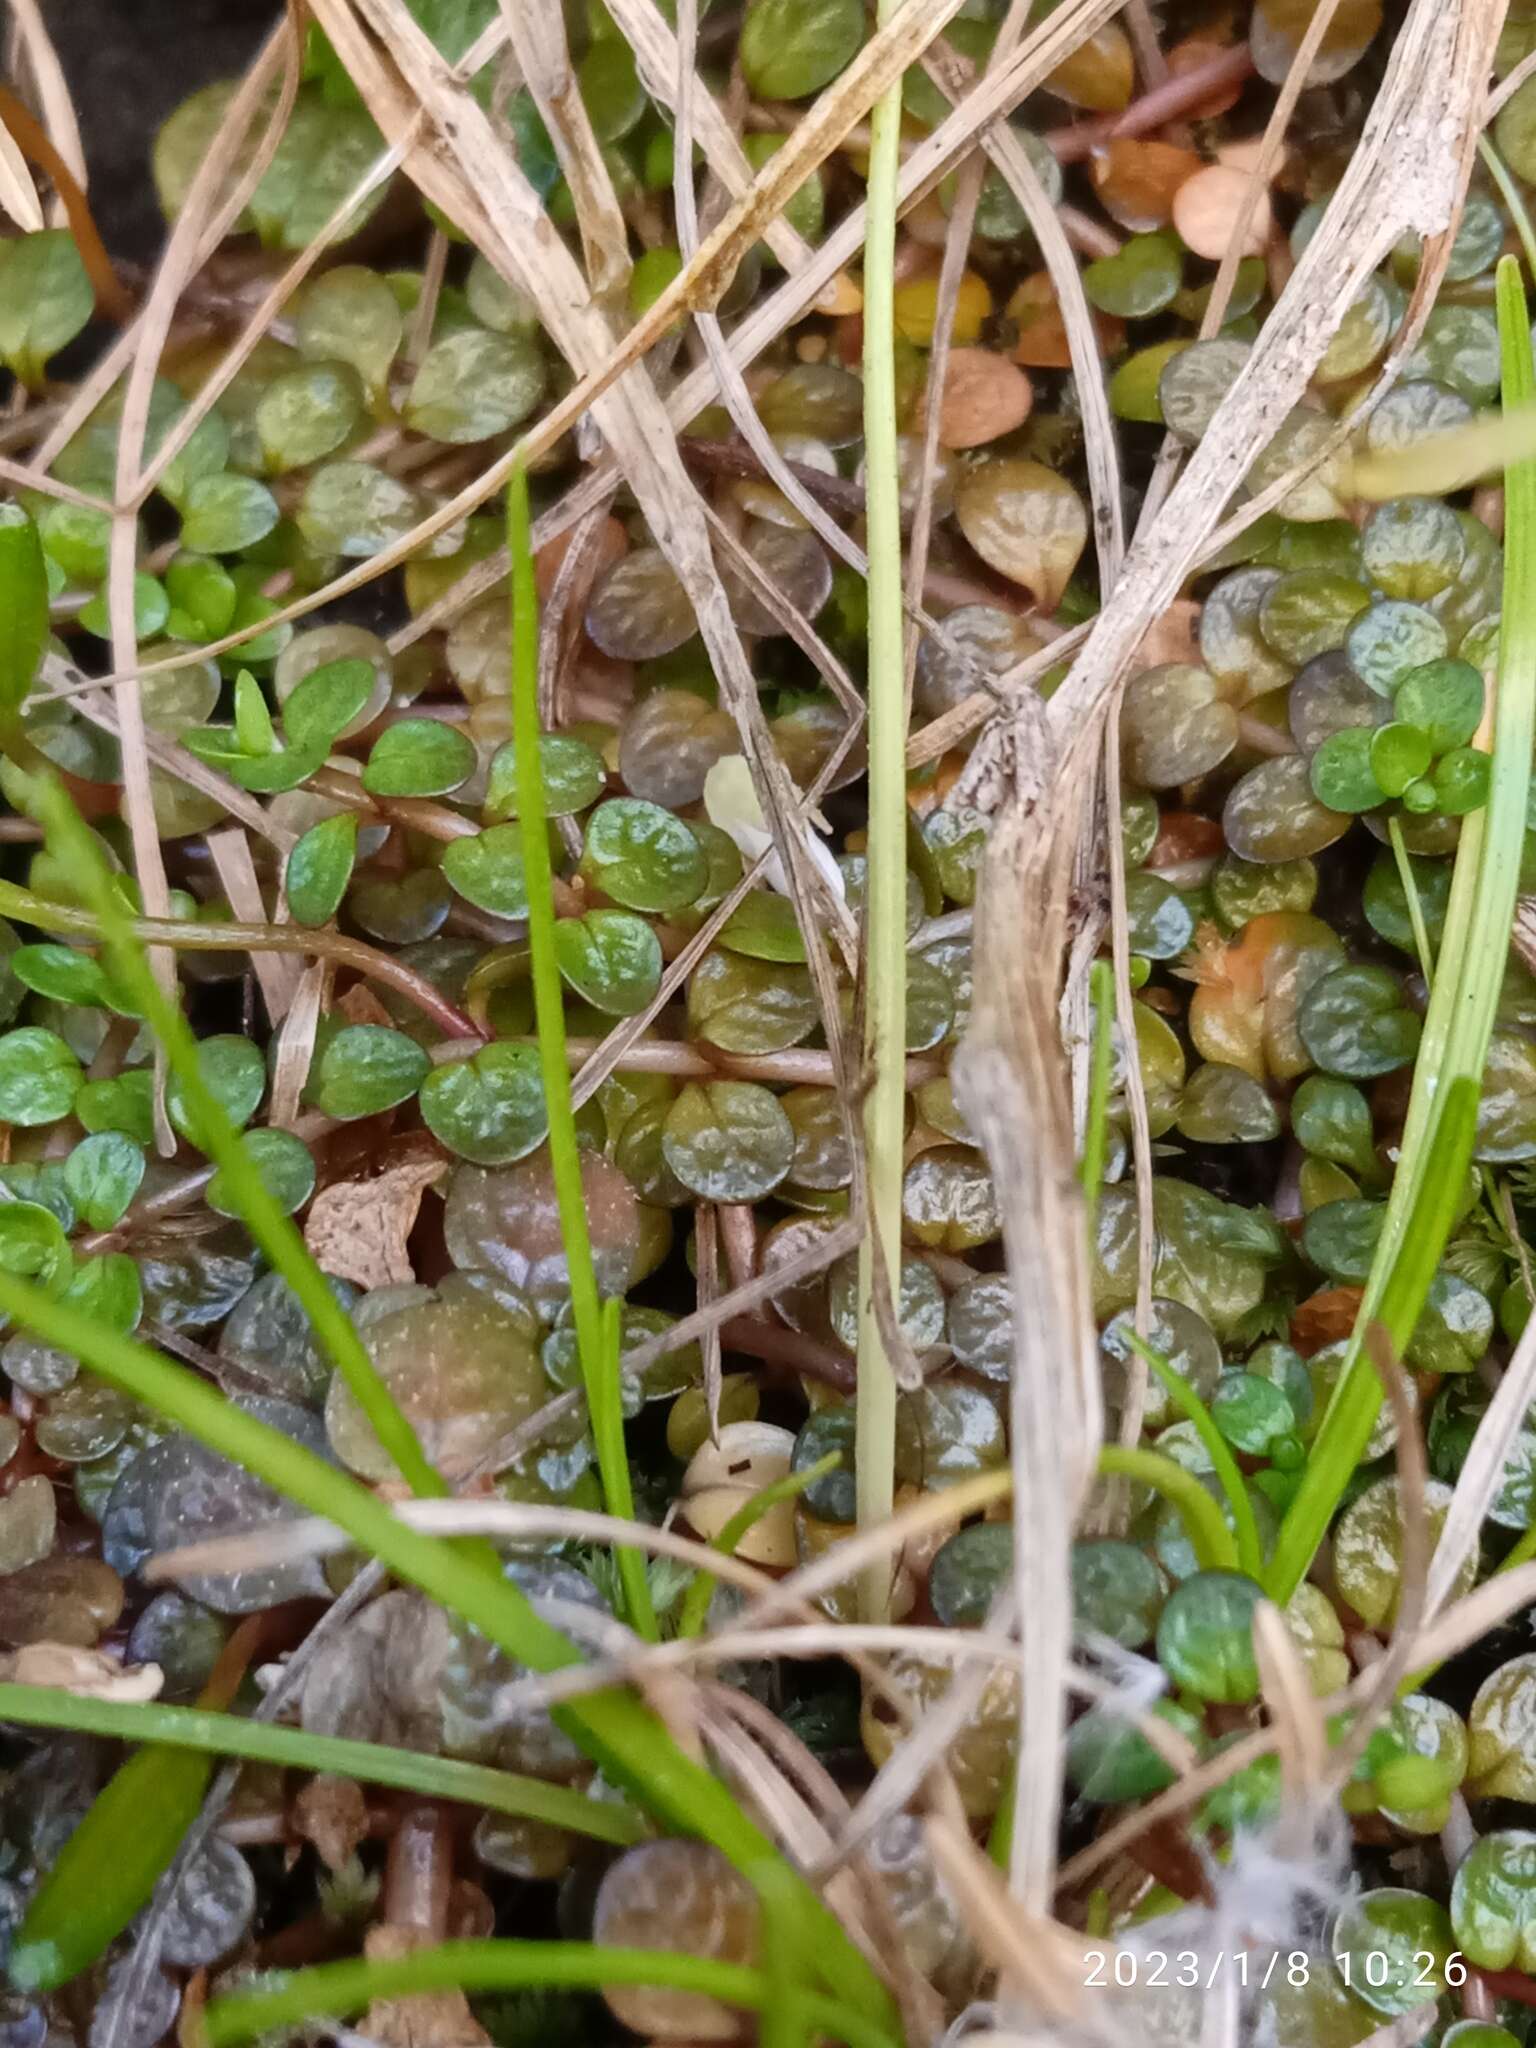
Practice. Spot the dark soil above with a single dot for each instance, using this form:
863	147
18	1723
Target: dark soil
129	64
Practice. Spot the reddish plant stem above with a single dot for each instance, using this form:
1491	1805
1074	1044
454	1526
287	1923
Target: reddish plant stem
776	1345
1177	94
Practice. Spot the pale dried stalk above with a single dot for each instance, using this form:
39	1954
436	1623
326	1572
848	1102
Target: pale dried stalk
1100	440
1482	1474
51	88
538	38
278	974
1067	27
213	387
276	54
1008	1081
656	59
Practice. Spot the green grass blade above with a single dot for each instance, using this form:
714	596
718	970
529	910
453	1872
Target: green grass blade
1250	1550
271	1228
885	913
1440	1130
1212	1540
1421	944
108	1867
332	1990
599	1355
613	1728
1101	983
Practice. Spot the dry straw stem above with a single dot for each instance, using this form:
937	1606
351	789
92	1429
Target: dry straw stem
539	43
1069	26
1408	175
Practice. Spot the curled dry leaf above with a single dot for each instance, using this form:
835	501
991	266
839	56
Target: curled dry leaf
721	1478
332	1813
1172	636
90	1674
1138	179
359	1229
985	396
1208	207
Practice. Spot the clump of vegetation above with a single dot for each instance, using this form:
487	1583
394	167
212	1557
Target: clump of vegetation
604	669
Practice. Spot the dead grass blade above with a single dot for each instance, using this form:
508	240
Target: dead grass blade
538	38
656	59
278	974
1008	1080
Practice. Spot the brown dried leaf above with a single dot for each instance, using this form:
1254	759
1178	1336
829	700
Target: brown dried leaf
358	1229
985	396
361	1006
432	2019
332	1813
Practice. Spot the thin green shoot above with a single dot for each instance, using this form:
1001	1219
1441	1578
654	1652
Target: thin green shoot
1411	897
332	1990
1250	1549
261	1214
747	1516
1430	1186
597	1346
1512	197
613	1728
1212	1541
885	918
298	1749
1101	984
1000	1834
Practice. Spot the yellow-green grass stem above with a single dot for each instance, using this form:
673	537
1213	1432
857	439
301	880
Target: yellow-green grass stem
597	1334
333	1990
1429	1188
885	915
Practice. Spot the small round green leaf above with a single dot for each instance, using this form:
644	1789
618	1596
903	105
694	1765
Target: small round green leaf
38	1076
324	703
1341	772
1461	781
1354	1021
763	926
490	1108
574	776
45	300
33	1245
1143	278
1400	754
320	867
473	384
792	48
487	870
234	1073
1445	699
64	973
284	1165
223	515
611	958
729	1141
643	857
365	1068
419	757
1205	1637
102	1175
